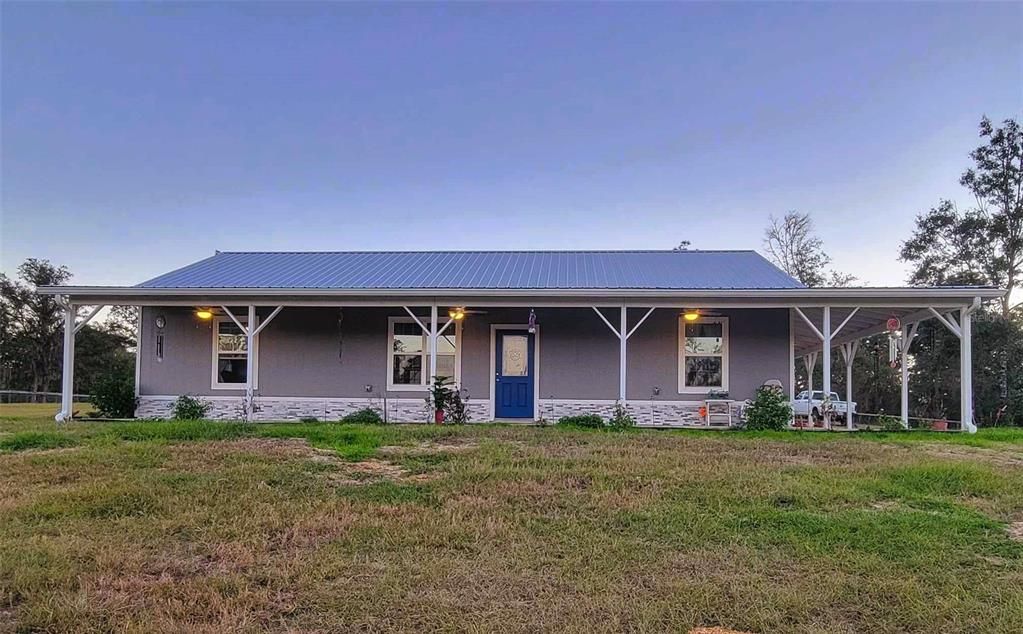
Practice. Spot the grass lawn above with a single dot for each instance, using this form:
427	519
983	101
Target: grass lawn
39	410
309	528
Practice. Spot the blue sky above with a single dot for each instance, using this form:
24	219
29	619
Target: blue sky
139	137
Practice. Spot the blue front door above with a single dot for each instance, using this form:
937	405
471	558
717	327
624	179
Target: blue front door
514	365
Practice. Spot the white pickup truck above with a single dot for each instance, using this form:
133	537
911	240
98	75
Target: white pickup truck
813	405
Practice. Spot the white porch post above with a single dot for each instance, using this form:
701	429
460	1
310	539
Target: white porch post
826	366
433	343
810	361
792	358
250	363
623	342
849	353
904	366
68	371
966	370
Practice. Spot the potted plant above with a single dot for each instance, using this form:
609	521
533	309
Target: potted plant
939	425
440	392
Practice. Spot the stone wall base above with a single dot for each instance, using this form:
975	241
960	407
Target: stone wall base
414	410
646	413
272	408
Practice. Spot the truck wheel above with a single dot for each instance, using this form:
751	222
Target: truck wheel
816	415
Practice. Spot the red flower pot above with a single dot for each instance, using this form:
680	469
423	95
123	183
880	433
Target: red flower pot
438	416
939	425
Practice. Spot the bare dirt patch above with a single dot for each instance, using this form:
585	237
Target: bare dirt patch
1015	531
375	470
344	473
49	452
996	457
447	445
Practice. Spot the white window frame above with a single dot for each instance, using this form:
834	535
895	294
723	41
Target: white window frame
425	354
702	389
215	383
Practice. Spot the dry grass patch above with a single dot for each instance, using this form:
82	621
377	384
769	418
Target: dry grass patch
1002	456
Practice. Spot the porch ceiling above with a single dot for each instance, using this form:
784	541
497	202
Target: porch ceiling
864	323
874	306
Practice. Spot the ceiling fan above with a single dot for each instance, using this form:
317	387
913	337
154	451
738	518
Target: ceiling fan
458	313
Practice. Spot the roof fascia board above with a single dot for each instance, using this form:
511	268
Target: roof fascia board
810	296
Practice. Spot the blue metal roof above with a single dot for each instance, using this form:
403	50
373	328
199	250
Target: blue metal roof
670	270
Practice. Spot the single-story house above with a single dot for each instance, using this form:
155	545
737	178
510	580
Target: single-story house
680	338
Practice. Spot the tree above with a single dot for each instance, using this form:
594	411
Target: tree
32	322
124	320
984	244
32	335
101	351
996	181
792	243
981	245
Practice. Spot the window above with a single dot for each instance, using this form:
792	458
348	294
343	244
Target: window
703	354
408	356
230	355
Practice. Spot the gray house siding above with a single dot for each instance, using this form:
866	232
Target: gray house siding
758	349
300	353
304	355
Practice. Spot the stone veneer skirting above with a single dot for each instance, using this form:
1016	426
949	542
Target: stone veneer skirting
414	410
646	413
269	408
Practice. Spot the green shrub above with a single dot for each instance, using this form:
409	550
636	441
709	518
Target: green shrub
455	410
114	396
768	410
890	423
591	421
365	416
621	418
191	408
309	419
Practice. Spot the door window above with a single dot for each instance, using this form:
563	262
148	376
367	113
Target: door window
514	355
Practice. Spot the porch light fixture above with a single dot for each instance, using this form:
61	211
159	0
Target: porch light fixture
203	313
691	315
457	313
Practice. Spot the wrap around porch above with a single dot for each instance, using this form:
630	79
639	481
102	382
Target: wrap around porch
672	359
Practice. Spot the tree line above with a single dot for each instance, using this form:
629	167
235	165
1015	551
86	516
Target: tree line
979	245
32	335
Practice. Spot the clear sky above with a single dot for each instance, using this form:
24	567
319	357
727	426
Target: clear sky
139	137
